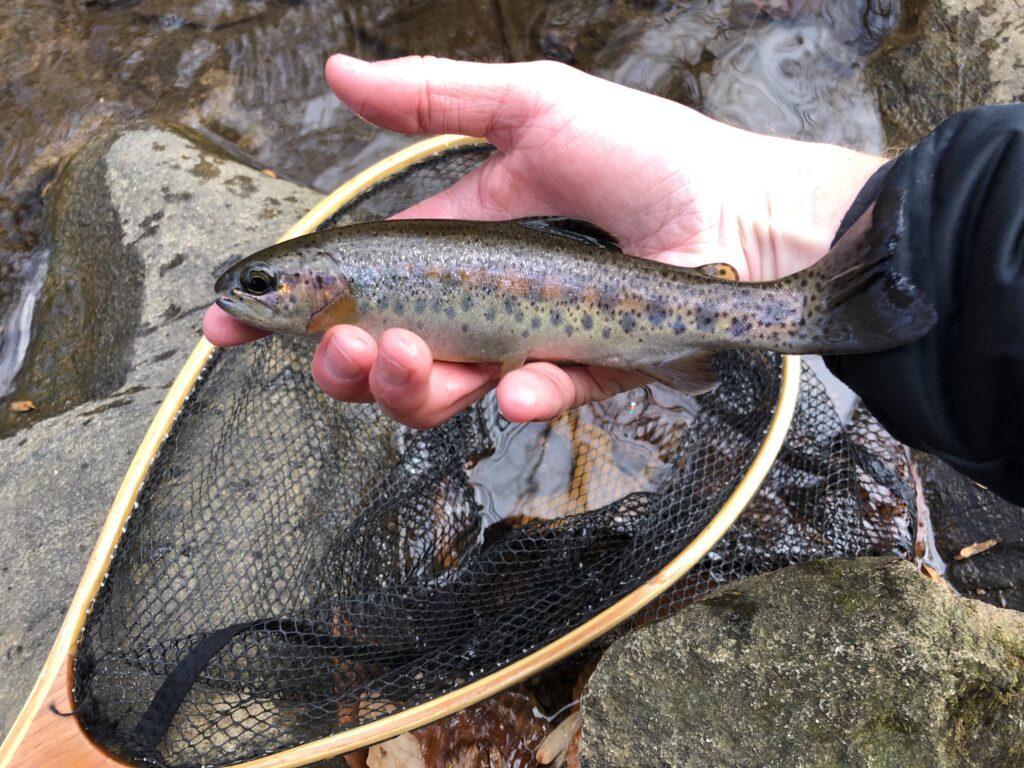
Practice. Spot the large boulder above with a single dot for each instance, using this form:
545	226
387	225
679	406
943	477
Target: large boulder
948	55
831	663
142	221
978	535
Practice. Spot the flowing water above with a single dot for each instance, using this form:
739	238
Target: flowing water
248	74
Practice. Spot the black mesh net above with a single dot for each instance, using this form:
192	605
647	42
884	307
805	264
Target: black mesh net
295	566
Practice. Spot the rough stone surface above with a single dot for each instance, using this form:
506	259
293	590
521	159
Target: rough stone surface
150	199
833	663
964	514
948	55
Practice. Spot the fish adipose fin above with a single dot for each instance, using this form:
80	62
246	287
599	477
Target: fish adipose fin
574	229
691	373
720	271
853	302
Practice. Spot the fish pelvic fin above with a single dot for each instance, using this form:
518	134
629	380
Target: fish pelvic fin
511	363
853	301
691	373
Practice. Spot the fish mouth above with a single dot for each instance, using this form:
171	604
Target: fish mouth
250	310
234	299
237	304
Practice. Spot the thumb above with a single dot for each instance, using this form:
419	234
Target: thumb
418	94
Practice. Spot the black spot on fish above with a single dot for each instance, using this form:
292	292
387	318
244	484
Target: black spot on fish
556	317
399	307
657	316
490	315
535	322
510	305
587	321
435	304
705	319
525	334
467	303
465	327
606	333
774	313
740	326
293	298
678	326
420	306
519	316
449	311
568	330
319	280
628	322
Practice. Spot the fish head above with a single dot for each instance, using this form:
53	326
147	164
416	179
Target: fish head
283	292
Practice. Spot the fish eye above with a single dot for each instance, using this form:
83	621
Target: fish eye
259	279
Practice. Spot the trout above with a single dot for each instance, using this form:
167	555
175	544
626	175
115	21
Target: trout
559	290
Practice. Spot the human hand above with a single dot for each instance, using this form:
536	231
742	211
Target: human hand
671	184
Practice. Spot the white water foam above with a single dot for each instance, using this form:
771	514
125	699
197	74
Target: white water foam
16	330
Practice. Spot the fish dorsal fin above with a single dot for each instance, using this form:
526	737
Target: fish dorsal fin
691	373
574	229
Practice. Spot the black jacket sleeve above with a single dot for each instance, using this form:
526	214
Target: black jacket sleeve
958	392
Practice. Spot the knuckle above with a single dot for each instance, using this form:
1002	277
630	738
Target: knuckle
546	70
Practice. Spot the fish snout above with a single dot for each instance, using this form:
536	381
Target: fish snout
226	282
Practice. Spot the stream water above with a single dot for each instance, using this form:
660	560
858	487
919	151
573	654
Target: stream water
248	74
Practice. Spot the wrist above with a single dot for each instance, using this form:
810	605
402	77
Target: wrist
808	188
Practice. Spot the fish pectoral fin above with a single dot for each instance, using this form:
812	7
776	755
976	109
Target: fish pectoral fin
690	373
342	309
511	363
721	271
574	229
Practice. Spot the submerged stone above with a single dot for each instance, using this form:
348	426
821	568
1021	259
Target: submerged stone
832	663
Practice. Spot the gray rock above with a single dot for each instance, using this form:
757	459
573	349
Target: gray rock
948	55
963	514
832	663
148	219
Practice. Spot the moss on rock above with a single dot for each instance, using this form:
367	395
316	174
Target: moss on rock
843	663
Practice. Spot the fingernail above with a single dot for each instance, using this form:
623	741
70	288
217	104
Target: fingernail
348	61
338	361
392	372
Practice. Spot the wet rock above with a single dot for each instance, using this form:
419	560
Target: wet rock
122	202
146	219
947	55
854	663
963	515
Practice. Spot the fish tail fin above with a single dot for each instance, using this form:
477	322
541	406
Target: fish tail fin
853	301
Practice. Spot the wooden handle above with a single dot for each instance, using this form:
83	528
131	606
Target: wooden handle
56	740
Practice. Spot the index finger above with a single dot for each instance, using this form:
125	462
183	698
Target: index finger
222	330
423	94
